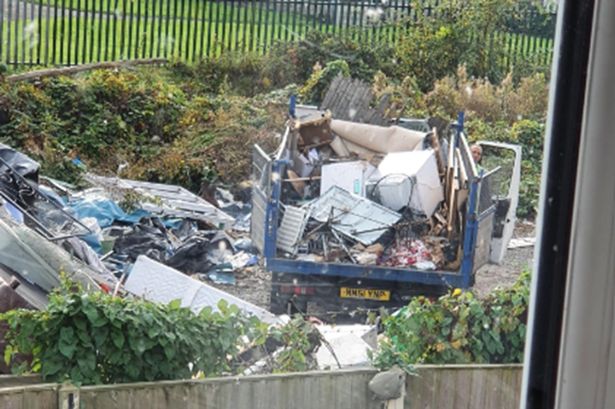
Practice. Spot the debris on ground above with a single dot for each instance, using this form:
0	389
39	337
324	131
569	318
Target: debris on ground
102	234
521	242
345	346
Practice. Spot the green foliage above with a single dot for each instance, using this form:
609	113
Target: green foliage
298	338
315	88
530	135
454	34
93	338
458	328
483	100
155	120
364	59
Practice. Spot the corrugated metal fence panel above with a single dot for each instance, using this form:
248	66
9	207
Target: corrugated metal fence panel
435	387
465	387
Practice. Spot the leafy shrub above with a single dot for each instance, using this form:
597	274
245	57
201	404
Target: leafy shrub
152	120
313	92
364	60
405	97
530	135
92	338
299	339
532	97
458	328
488	102
454	33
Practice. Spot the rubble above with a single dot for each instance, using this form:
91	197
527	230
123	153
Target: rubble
353	216
24	200
168	201
98	235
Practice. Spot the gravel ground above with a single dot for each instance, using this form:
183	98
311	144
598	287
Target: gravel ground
516	260
491	276
254	283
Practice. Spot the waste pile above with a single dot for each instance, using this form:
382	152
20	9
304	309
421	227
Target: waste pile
372	195
96	235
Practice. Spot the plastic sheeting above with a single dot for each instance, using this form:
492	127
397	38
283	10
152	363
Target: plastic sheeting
171	201
105	211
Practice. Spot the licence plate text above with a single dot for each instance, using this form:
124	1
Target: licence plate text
365	293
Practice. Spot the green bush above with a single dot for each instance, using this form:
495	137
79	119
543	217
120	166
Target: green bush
491	103
154	120
315	88
530	135
457	328
93	338
433	46
299	339
364	60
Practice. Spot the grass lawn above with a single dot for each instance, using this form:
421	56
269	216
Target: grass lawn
228	10
81	38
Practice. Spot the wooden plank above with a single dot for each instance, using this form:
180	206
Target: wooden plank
244	394
452	203
343	392
464	383
177	396
437	148
463	174
41	399
225	391
18	380
209	395
478	392
492	394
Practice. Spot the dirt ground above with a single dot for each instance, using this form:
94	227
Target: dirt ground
254	283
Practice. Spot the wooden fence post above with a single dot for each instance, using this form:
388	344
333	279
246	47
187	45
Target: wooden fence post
68	397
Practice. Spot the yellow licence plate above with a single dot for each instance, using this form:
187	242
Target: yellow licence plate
365	293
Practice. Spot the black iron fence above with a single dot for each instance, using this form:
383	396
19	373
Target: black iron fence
69	32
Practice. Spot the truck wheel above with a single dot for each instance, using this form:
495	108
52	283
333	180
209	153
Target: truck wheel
278	304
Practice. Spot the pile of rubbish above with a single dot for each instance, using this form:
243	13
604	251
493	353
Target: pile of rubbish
99	235
372	195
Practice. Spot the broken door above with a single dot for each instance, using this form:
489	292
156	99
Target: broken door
503	162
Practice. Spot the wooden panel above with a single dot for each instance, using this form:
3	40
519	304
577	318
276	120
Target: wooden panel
42	396
434	387
464	387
